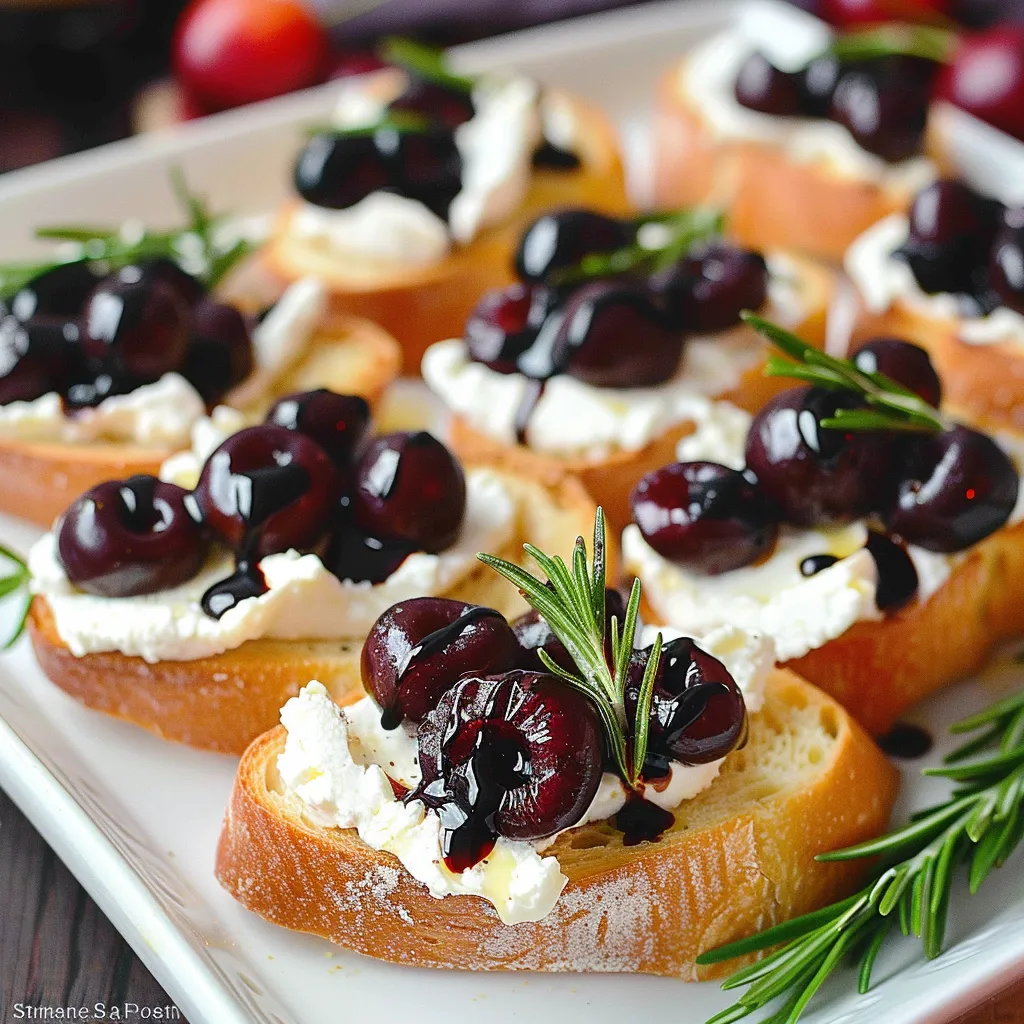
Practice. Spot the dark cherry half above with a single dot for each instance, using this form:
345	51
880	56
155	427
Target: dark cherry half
220	354
763	87
189	287
697	711
955	489
560	239
136	325
504	323
1006	267
34	357
60	292
903	362
449	107
129	537
268	489
704	516
418	648
340	424
706	291
411	489
818	475
518	755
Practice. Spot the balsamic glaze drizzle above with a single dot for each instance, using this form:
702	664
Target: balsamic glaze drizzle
905	740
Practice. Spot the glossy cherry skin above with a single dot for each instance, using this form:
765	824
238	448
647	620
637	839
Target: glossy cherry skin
697	711
559	240
268	489
706	292
986	78
955	489
903	362
504	323
418	648
704	517
136	325
340	424
60	292
951	233
817	84
817	475
763	87
129	537
411	489
849	13
518	755
1006	267
35	357
220	353
585	338
449	107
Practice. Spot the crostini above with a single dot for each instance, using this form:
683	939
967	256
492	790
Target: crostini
882	562
195	608
583	369
410	205
477	812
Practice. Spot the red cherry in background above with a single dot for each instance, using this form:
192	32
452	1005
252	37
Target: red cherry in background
230	52
852	13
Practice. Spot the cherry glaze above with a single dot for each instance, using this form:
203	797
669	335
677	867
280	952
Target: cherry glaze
640	821
361	558
897	577
129	537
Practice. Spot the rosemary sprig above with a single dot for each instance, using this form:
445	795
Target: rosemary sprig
678	232
426	62
895	40
572	601
196	245
11	584
890	405
979	826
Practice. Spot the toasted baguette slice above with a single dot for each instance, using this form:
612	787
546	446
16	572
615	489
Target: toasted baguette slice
223	702
740	857
610	479
38	480
772	201
421	305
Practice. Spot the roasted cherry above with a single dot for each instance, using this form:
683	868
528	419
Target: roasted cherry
189	287
903	362
425	166
411	489
818	83
220	353
135	325
518	755
340	424
560	239
762	86
128	537
268	489
418	648
817	475
449	107
706	291
703	516
1006	268
34	357
59	292
504	324
951	232
697	710
955	489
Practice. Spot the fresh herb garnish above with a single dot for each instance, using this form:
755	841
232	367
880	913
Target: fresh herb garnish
895	40
979	826
426	62
572	603
403	122
196	245
661	240
11	584
890	406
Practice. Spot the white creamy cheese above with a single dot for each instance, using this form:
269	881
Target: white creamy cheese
158	415
337	762
303	600
791	38
882	280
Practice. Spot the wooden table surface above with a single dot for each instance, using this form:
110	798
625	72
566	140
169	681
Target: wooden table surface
58	949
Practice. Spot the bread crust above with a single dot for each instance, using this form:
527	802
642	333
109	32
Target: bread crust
610	479
38	480
724	871
423	305
772	201
222	702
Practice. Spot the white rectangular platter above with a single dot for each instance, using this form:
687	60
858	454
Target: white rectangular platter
137	819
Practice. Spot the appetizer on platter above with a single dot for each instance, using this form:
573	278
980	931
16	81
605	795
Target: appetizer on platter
613	343
496	803
852	522
410	204
196	604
